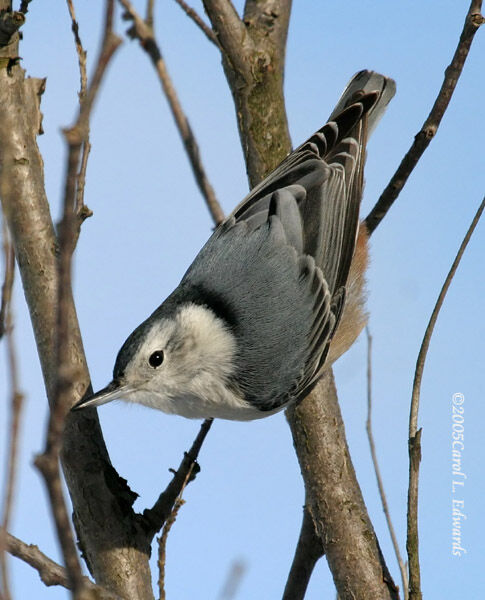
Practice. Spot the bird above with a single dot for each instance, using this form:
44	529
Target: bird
276	294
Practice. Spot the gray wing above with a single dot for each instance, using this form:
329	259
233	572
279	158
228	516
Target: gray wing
281	260
275	301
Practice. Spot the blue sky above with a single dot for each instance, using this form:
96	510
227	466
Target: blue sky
149	222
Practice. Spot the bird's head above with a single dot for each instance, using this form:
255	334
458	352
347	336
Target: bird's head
185	358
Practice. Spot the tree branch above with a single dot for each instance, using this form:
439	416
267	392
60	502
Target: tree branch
82	211
253	54
145	35
169	521
50	572
16	404
154	518
197	19
113	544
423	138
334	497
308	551
377	471
270	17
234	40
67	373
412	543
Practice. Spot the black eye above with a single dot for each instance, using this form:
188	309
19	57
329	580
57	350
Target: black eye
156	359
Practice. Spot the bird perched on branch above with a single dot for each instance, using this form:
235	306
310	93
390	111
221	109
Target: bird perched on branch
276	294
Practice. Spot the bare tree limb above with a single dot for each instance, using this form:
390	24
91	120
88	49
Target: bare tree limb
334	498
197	19
377	471
145	35
149	19
24	6
82	211
308	551
233	580
427	132
412	543
162	540
16	404
68	373
271	17
253	57
154	518
50	572
235	41
113	543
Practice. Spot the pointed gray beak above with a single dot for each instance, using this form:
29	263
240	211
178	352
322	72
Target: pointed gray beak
112	391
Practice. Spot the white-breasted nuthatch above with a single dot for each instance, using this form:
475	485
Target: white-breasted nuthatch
275	295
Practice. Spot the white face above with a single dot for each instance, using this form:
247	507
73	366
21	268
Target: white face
183	366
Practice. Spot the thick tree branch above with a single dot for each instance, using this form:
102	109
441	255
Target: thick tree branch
412	543
145	35
253	54
334	498
427	132
235	42
271	16
308	551
50	572
67	373
114	548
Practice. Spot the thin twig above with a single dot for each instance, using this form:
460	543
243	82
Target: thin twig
141	31
197	19
16	406
422	139
48	462
24	6
233	580
149	19
82	211
154	518
375	462
50	572
412	542
81	53
162	540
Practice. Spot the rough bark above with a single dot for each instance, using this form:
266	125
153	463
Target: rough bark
334	497
253	61
116	552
